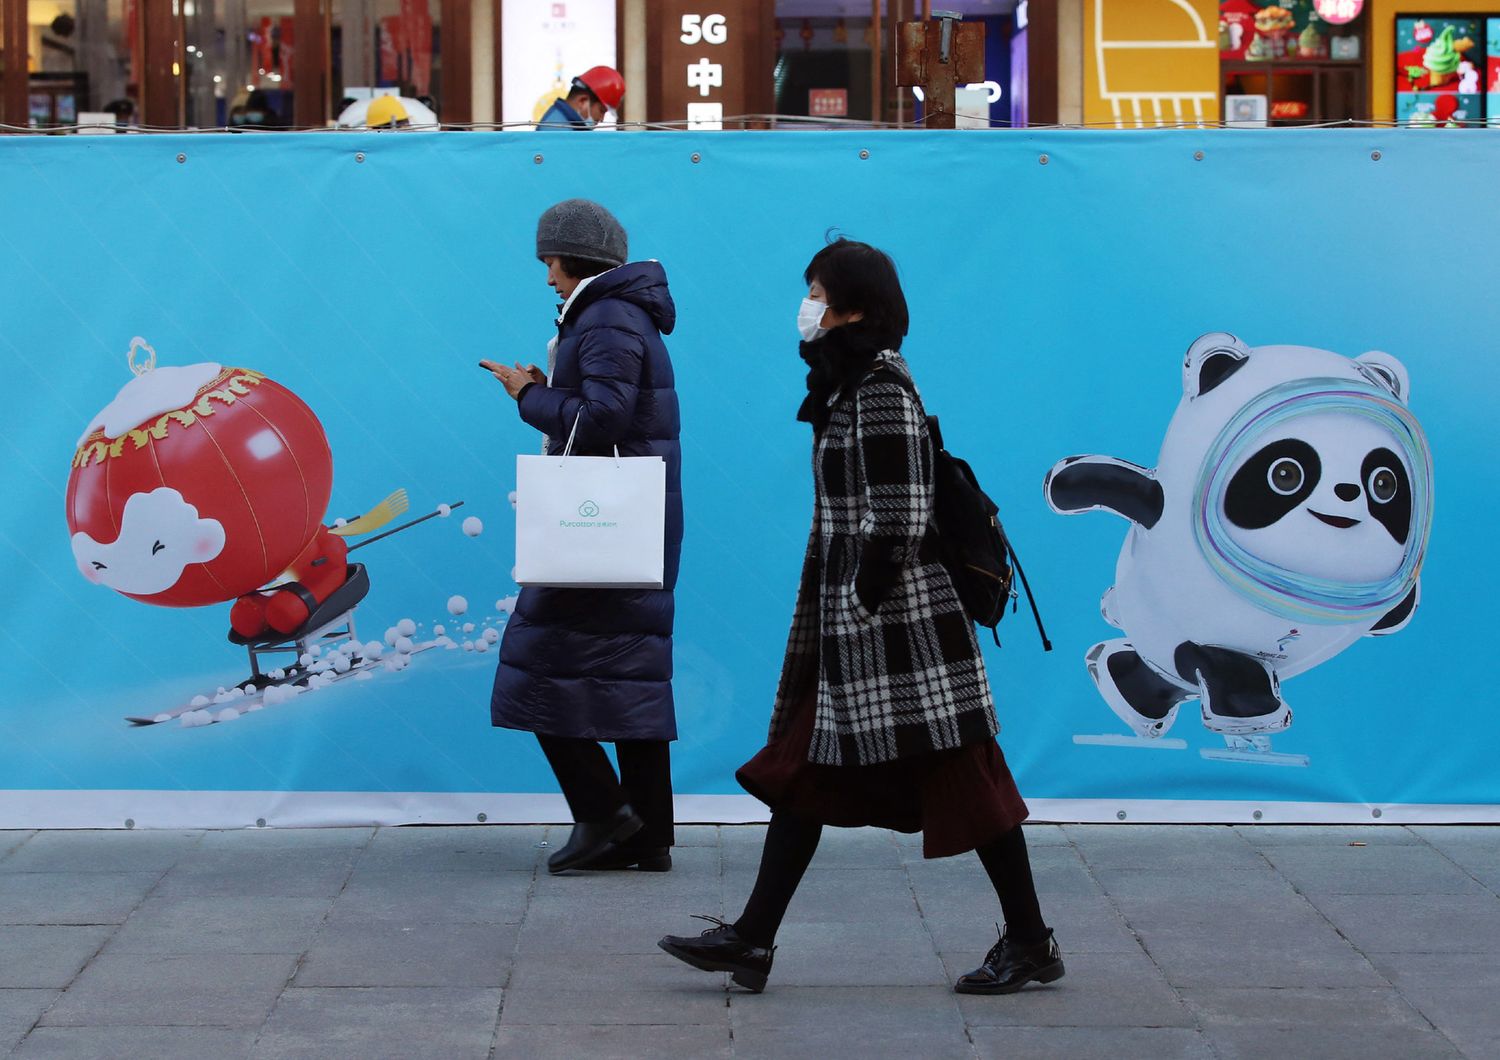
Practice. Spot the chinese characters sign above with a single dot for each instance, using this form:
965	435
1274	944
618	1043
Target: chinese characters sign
704	66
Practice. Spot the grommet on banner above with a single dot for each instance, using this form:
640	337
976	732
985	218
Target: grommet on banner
181	158
130	822
483	817
1043	160
1256	815
1197	156
697	158
260	822
1375	812
1374	156
359	156
863	154
537	159
1121	814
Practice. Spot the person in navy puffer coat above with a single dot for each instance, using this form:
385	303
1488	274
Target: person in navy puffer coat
582	665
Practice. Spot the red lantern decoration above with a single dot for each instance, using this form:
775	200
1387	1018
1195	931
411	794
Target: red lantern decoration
197	485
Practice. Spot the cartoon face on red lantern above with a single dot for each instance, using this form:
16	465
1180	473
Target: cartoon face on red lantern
196	484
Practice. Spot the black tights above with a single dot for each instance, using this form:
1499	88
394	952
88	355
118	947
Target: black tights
791	842
593	791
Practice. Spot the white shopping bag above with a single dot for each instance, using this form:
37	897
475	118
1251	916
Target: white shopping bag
596	522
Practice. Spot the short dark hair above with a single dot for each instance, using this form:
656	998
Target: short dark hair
582	268
859	277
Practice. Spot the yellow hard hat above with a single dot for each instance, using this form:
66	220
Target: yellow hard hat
386	111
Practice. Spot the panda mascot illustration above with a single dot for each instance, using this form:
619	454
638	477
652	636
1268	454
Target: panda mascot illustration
1287	516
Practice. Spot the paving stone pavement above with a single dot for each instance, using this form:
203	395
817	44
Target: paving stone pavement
1180	941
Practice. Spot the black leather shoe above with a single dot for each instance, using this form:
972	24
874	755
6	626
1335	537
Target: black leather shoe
1009	966
631	855
592	838
720	949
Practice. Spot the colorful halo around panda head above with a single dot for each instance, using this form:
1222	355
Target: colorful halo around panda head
1288	593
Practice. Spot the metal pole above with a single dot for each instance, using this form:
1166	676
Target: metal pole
877	110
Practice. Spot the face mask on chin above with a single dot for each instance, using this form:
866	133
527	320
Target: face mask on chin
810	318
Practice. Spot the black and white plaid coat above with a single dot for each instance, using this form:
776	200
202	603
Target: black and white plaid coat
908	678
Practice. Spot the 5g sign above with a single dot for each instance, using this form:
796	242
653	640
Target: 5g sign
704	29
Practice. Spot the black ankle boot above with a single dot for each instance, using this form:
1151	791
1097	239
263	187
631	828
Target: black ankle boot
720	949
631	854
1009	966
592	838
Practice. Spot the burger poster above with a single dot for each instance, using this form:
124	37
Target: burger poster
1440	70
1291	29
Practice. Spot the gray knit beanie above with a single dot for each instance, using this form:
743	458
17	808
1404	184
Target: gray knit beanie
578	228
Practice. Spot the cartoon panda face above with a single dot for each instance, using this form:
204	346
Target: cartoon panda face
1325	495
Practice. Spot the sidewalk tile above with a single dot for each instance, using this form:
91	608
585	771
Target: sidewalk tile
159	991
19	1009
1091	1043
222	925
72	897
391	953
380	1023
1099	990
47	956
157	1043
112	851
613	1043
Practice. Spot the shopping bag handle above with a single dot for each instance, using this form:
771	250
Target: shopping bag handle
568	449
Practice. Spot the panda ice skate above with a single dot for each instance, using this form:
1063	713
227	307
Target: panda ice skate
1287	516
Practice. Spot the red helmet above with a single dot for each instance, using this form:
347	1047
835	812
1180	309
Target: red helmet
605	83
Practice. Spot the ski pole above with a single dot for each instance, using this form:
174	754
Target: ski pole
404	526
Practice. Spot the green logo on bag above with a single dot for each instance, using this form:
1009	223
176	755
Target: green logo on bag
588	509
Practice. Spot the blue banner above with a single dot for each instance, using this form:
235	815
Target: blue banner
1273	350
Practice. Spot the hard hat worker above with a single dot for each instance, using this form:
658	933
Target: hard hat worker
386	112
594	93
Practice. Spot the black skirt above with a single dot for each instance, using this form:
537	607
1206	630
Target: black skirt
959	799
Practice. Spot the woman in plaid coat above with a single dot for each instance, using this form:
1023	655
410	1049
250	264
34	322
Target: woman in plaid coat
884	714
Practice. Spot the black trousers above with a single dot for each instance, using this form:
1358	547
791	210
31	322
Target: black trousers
594	792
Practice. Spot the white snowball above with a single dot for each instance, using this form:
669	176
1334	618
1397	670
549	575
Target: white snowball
364	675
405	646
444	511
374	650
341	521
314	650
194	718
491	636
512	498
468	645
227	714
198	701
439	630
406	627
273	696
481	646
222	698
341	664
457	605
391	635
306	658
277	675
161	718
468	627
506	605
473	527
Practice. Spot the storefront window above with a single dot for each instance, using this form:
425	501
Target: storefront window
823	59
79	60
1295	62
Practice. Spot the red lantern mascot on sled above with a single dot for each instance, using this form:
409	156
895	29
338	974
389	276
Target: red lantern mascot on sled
202	484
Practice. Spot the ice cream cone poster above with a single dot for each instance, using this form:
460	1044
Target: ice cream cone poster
1430	51
1492	69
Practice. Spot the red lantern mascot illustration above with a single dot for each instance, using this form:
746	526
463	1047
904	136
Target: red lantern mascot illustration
203	484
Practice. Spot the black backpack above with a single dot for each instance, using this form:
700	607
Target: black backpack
971	542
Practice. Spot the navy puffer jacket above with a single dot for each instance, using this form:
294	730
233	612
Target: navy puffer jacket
597	663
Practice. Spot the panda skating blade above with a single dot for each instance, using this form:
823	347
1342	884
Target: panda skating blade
1112	739
1255	750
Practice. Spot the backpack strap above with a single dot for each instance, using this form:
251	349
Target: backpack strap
935	433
